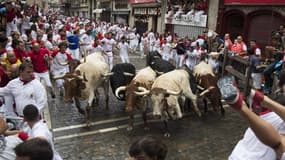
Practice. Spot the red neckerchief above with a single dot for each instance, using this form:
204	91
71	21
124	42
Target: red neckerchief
25	81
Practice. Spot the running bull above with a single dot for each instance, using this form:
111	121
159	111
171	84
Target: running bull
123	73
145	79
85	80
165	93
206	78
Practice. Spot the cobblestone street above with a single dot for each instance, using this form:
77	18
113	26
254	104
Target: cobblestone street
192	138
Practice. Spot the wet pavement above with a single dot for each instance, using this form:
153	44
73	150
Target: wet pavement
210	137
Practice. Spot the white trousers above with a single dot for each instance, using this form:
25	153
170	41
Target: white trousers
45	76
109	59
74	53
179	60
59	82
125	58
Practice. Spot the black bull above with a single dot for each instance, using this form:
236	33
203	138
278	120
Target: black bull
123	75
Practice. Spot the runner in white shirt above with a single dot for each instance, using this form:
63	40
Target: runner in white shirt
169	38
144	45
86	42
60	65
165	51
157	43
133	42
151	39
124	46
193	56
49	43
37	128
8	143
26	90
107	43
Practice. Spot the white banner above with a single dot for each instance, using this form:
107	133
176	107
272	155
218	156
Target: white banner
189	20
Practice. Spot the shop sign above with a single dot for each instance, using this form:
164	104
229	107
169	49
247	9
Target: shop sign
142	1
254	2
153	11
189	20
140	11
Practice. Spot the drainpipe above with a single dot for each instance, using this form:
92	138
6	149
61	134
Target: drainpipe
162	13
91	9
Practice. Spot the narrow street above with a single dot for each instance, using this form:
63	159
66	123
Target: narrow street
210	137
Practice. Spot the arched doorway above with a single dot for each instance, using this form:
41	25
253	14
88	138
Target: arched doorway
261	24
233	23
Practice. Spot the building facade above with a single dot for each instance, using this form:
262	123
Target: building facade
146	15
78	8
253	19
190	18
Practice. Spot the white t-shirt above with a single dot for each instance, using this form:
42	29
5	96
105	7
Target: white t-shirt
123	48
166	48
250	148
48	45
11	142
40	129
108	44
57	60
24	94
151	36
99	48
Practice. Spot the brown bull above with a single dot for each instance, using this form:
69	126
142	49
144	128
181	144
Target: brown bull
144	78
82	84
206	78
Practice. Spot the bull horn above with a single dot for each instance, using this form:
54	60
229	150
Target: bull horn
206	91
118	90
173	92
201	88
58	77
159	73
142	91
128	74
108	74
84	77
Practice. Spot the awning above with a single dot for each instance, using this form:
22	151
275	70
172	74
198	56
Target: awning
98	10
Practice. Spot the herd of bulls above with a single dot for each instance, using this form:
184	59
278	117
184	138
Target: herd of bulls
159	84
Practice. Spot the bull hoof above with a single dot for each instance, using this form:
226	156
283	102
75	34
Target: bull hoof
130	128
167	135
88	123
